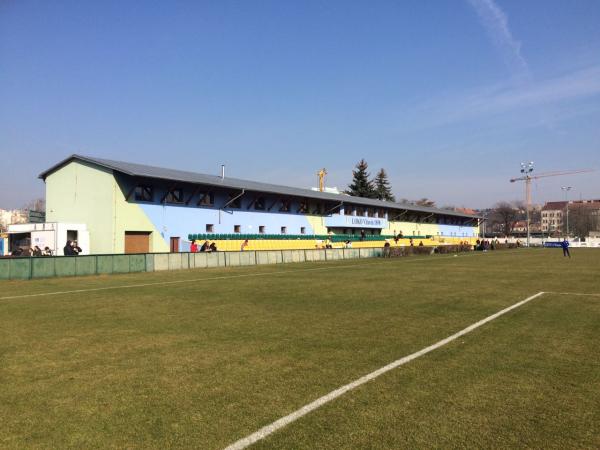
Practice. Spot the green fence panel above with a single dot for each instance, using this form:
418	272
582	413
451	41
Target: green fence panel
137	263
120	263
200	260
232	259
366	252
298	256
213	260
85	265
20	269
351	253
104	264
333	254
149	262
185	260
42	267
161	261
247	258
174	261
287	256
65	266
262	258
4	268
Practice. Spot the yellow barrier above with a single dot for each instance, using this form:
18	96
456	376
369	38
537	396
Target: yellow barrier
310	244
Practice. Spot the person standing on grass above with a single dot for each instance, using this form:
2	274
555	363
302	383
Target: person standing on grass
565	246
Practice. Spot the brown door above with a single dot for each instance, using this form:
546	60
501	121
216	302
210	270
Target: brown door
137	242
174	244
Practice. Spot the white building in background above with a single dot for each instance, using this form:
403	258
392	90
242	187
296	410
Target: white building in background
11	216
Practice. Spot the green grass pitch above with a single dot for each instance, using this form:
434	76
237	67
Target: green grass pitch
202	358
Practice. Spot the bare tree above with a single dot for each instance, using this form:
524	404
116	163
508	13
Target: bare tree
582	220
503	217
39	204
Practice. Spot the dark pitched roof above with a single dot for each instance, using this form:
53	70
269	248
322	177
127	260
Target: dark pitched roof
142	170
552	206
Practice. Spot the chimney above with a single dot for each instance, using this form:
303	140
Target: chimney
222	171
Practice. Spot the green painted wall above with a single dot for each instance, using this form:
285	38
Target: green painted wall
79	193
83	193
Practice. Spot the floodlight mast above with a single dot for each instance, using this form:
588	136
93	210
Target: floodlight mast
526	169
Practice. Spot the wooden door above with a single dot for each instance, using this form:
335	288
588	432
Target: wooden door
137	242
174	244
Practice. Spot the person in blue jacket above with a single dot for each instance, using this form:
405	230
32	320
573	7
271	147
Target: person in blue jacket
565	247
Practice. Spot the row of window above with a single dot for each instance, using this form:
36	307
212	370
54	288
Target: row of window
144	193
262	229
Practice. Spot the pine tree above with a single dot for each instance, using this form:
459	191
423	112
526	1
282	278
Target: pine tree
361	185
382	187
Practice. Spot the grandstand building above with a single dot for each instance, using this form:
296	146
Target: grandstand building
130	208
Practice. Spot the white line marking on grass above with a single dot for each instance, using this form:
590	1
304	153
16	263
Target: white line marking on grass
286	420
222	277
573	293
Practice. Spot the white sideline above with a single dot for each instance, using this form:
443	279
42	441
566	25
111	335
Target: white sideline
573	293
222	277
286	420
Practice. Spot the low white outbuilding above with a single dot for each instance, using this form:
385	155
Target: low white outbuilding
53	235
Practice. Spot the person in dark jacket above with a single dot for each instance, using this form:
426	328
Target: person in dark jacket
68	249
565	248
213	247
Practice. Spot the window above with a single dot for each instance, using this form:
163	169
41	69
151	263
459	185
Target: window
261	229
175	196
283	230
210	228
285	206
237	228
371	212
302	230
303	207
144	193
259	204
237	203
207	199
360	211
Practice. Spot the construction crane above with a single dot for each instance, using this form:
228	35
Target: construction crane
321	174
526	170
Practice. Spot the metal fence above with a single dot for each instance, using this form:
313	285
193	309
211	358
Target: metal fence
25	268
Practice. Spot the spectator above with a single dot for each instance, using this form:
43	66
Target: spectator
205	247
193	247
420	243
565	248
76	248
386	249
363	235
68	249
37	251
412	244
47	251
212	247
244	245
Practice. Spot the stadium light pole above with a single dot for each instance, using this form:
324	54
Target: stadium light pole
526	169
566	190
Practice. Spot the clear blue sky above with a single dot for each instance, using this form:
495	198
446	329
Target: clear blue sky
448	96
